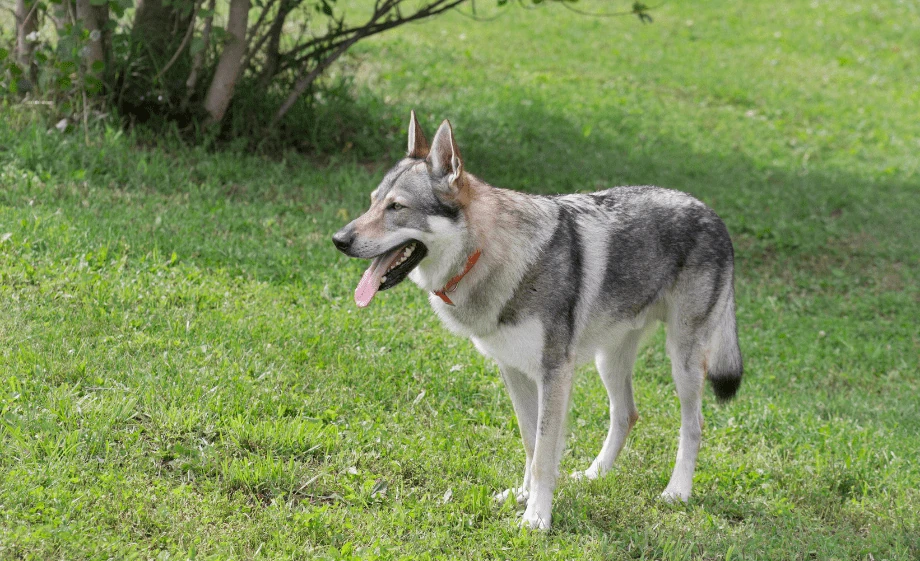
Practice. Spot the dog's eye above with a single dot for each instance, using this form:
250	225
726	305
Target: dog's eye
395	206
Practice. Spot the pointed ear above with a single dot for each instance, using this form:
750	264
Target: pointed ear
445	156
418	146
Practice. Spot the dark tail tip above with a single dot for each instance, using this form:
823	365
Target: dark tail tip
725	384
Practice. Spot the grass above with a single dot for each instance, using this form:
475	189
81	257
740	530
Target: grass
183	372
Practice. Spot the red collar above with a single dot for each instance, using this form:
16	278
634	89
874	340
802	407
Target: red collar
452	283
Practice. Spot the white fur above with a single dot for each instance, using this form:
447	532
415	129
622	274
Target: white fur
518	346
446	249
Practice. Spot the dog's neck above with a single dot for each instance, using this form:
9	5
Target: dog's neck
452	283
509	228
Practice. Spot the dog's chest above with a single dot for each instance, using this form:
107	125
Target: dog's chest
518	346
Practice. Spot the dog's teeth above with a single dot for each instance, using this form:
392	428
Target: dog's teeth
383	279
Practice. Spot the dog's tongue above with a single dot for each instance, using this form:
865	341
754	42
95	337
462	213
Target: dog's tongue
370	281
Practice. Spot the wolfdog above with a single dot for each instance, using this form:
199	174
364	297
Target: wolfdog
542	284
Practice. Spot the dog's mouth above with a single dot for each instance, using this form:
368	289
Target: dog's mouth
389	269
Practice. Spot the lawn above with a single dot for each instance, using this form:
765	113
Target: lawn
184	374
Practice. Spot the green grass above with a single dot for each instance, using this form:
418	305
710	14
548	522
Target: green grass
183	372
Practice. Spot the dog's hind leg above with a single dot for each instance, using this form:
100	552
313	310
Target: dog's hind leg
615	366
687	357
525	399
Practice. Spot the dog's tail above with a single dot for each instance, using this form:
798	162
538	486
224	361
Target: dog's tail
725	366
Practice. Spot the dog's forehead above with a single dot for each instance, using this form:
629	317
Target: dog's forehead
409	177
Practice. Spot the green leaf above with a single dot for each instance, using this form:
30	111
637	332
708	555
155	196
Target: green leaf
4	53
93	85
206	13
197	45
98	66
98	2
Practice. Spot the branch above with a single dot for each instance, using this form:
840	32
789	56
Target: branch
22	24
379	10
198	58
305	82
258	23
283	10
188	35
371	28
472	15
301	86
638	9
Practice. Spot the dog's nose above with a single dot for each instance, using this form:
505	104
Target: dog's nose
343	239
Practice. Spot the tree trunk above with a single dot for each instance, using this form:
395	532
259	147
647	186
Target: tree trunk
26	23
220	93
88	15
272	54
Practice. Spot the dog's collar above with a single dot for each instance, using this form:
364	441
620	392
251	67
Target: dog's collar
452	283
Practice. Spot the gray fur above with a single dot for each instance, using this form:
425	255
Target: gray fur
568	279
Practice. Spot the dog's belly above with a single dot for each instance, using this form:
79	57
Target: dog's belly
521	346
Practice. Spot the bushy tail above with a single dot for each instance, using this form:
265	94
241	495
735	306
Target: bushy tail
725	366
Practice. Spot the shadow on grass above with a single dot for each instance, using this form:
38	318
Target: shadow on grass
822	221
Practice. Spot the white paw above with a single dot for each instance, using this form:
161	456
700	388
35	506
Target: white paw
534	521
590	474
520	495
672	496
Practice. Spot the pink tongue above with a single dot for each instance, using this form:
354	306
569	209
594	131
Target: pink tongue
370	280
367	288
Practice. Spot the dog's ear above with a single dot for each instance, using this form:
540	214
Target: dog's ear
445	156
418	146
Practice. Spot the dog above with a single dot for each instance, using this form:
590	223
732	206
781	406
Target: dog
542	284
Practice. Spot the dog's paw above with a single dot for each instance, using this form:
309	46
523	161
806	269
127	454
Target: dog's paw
520	495
535	521
673	497
590	474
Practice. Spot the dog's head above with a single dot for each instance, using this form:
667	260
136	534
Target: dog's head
416	212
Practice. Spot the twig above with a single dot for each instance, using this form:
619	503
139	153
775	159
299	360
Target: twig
371	28
304	83
283	12
472	15
28	16
188	35
198	58
85	116
255	28
636	11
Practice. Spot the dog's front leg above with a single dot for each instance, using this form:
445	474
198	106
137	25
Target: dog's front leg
525	399
553	391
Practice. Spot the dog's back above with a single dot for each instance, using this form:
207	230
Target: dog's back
624	257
